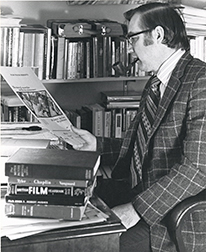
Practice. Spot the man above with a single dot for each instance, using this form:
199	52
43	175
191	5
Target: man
162	159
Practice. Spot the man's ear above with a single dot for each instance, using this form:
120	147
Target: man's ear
159	34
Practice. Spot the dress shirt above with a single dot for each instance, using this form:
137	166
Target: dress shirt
166	69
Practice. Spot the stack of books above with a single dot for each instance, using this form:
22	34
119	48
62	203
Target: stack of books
25	45
120	109
120	99
82	49
50	183
195	23
111	118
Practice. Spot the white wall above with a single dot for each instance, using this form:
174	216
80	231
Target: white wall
40	11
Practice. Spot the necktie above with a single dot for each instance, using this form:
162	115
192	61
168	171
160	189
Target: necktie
144	129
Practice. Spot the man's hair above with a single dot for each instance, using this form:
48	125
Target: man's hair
161	14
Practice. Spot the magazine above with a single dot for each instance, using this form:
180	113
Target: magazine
39	102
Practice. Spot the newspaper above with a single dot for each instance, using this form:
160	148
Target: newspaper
39	101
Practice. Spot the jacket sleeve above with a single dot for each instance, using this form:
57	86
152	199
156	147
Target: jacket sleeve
188	176
109	149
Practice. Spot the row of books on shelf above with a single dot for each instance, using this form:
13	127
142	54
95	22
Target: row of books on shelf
58	51
110	118
13	110
50	183
194	19
101	122
90	58
198	46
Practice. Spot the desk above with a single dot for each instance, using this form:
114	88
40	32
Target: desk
99	237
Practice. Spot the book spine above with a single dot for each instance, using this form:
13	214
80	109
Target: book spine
5	46
21	49
46	199
95	57
15	189
105	57
113	57
88	59
98	122
60	57
66	47
53	61
107	98
118	124
49	182
80	60
10	44
48	51
123	105
109	55
29	48
39	54
2	45
15	46
47	171
56	212
107	123
100	50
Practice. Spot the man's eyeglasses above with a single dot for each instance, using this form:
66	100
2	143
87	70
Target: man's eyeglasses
129	37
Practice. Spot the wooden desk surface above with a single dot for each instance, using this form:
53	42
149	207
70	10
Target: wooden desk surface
98	237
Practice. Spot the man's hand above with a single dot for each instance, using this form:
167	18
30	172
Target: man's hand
127	214
90	140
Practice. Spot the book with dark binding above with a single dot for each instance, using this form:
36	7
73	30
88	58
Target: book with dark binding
19	189
46	200
49	182
85	124
53	164
109	96
97	112
41	211
122	104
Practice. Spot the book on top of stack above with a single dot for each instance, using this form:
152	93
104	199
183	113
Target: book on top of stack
120	109
120	99
10	20
50	183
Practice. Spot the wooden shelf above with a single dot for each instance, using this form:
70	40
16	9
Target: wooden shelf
100	79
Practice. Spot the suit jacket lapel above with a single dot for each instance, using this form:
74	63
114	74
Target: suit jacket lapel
170	91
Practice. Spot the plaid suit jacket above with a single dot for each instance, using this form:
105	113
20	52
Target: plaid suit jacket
174	163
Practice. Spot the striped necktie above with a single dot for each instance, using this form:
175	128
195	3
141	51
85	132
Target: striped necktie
144	129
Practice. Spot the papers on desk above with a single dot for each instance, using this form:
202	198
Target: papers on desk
10	145
16	228
14	131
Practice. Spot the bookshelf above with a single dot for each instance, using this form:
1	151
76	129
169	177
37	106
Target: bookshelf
73	93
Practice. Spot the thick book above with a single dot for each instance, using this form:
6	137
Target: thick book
122	104
97	112
118	124
50	182
64	200
41	211
53	164
10	20
107	123
19	189
111	96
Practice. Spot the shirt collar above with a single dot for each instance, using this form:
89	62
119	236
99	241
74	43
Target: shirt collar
168	66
